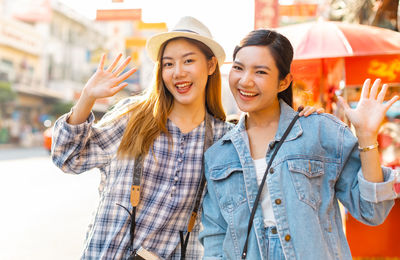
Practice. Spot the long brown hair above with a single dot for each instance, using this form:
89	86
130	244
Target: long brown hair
148	116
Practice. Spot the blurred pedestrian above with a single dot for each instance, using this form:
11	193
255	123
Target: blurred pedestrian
274	181
150	147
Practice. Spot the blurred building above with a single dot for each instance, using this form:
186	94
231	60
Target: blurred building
47	53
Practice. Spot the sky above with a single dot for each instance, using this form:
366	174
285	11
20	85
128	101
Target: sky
228	20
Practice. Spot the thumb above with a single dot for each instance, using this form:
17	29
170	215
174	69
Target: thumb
343	103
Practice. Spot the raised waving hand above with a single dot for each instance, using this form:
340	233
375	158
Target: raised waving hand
370	111
107	82
103	83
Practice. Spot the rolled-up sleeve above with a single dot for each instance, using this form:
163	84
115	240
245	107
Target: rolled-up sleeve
78	148
381	191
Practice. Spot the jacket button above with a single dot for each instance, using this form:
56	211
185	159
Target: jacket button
278	201
287	238
273	230
271	170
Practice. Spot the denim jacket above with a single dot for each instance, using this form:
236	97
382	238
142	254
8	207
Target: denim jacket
317	165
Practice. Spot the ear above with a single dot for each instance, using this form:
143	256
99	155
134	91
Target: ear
285	83
212	65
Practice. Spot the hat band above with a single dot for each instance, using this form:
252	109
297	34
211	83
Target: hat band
184	30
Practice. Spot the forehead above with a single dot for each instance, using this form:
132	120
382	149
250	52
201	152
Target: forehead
180	46
255	56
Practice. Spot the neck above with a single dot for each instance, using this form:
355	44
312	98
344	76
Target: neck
187	117
264	118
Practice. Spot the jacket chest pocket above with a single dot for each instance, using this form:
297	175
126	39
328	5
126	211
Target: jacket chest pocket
307	180
228	184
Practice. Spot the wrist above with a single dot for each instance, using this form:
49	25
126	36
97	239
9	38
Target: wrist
86	97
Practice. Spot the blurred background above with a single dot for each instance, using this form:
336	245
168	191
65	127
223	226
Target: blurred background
50	48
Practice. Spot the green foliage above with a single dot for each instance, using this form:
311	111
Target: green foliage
61	108
6	93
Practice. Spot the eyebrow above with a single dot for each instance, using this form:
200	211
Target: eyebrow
257	67
183	56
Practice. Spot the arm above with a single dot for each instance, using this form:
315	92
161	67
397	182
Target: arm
368	202
367	118
77	145
214	225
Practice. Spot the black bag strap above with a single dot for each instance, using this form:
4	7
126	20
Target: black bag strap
208	141
253	210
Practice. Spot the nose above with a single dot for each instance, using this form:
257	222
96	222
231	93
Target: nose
246	80
179	71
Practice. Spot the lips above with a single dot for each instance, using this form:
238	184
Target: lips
247	94
183	87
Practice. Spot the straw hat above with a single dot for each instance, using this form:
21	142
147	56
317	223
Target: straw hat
188	27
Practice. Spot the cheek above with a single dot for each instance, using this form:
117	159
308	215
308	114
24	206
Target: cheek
165	76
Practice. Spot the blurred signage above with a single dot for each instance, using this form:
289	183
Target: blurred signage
20	36
135	42
385	67
117	1
298	10
266	14
119	14
151	26
33	11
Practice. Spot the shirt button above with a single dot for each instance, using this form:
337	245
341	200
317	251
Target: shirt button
173	188
278	201
271	170
176	178
287	238
179	159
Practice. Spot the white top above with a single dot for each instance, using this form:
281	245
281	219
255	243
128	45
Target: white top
269	219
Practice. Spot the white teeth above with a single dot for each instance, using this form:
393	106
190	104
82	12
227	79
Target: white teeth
183	85
247	94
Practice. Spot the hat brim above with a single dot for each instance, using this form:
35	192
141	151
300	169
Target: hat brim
154	44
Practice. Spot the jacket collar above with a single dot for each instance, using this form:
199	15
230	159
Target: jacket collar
286	116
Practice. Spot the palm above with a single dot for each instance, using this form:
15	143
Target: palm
370	111
106	83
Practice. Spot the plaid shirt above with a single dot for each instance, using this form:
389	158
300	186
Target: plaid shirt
168	186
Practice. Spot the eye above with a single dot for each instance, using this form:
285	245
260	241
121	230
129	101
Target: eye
188	61
236	67
261	72
167	64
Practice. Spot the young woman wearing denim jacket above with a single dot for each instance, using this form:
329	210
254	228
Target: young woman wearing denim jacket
320	163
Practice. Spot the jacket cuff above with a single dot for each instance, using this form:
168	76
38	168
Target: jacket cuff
378	191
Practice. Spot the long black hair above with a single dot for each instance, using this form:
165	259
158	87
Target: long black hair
281	50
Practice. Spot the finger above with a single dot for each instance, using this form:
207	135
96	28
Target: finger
374	89
320	110
126	74
382	93
119	88
365	89
101	63
391	102
114	63
122	66
343	103
308	110
301	113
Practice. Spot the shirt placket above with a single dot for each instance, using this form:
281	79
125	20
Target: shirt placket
181	152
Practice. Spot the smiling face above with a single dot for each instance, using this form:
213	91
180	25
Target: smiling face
254	80
185	71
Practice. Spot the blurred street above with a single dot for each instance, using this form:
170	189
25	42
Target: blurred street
45	213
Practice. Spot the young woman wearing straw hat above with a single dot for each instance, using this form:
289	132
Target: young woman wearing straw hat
149	148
